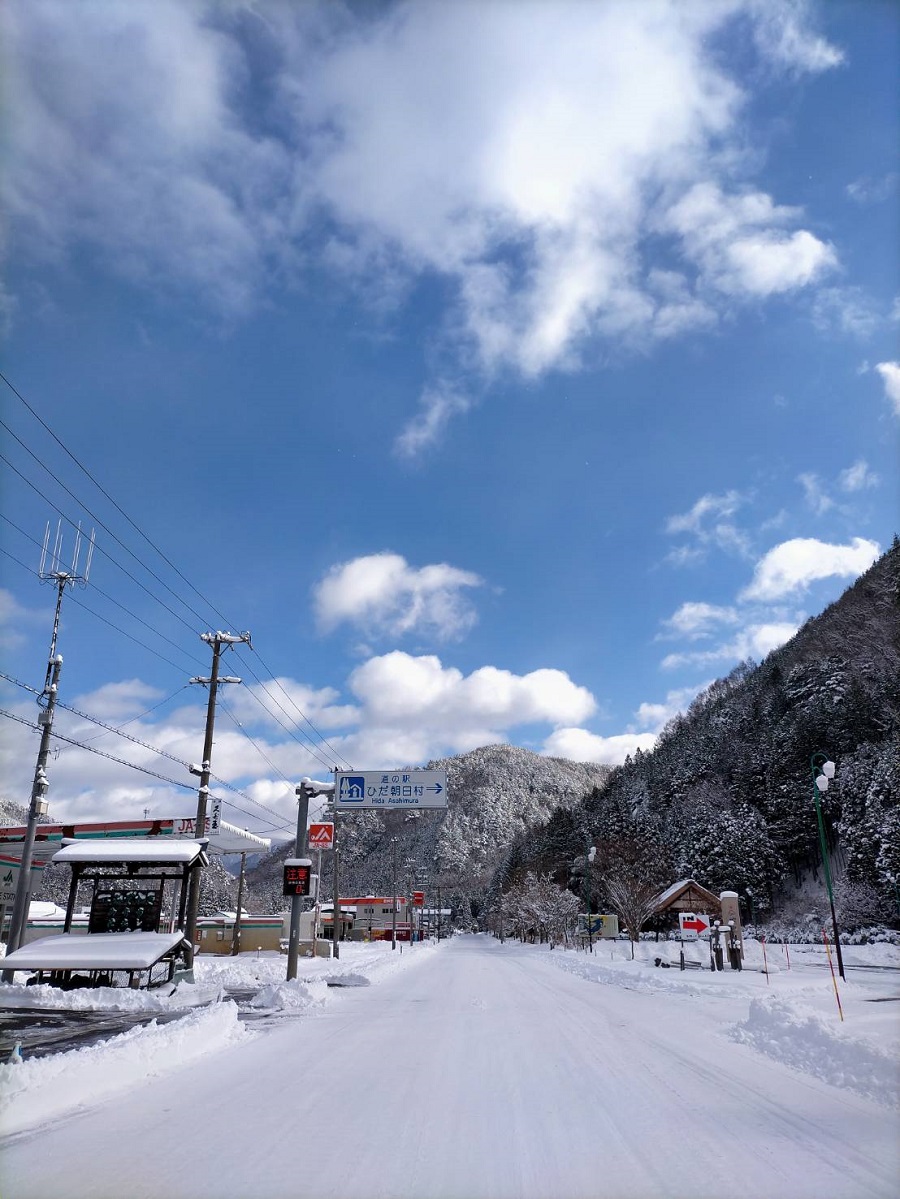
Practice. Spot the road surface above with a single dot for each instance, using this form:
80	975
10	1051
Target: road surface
481	1071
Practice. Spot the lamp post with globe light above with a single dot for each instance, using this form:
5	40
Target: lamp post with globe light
823	771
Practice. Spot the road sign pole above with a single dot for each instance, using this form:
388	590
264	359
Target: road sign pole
336	919
297	900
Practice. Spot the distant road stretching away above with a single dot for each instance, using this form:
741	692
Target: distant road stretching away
480	1072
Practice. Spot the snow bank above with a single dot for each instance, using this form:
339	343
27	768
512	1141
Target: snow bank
109	999
34	1091
289	996
799	1037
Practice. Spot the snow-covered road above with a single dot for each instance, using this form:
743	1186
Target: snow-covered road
479	1070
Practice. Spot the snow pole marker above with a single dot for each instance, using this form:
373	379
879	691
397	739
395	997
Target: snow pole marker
765	963
833	979
786	953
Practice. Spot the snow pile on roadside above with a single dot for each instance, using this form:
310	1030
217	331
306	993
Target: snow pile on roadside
111	999
34	1091
290	996
801	1038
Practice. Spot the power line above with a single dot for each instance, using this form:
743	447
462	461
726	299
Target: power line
234	720
104	552
145	745
335	753
309	746
106	494
107	596
143	769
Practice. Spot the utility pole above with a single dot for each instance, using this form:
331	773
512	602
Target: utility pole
217	641
306	790
50	571
236	935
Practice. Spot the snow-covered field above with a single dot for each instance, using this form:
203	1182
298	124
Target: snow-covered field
476	1069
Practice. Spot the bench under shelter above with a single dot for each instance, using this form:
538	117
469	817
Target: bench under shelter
136	926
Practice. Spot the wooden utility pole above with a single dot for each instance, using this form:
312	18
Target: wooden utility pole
217	641
236	935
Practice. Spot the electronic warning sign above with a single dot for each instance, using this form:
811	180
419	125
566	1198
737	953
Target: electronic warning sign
296	876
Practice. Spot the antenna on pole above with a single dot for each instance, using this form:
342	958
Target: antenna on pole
51	568
51	571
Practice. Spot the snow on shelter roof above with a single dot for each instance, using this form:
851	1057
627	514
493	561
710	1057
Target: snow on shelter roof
130	849
227	838
670	893
99	951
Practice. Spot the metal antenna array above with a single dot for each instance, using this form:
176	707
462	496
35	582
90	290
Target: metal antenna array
51	560
51	571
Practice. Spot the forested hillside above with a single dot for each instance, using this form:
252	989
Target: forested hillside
726	796
495	794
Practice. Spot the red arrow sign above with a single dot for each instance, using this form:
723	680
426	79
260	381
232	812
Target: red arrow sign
698	924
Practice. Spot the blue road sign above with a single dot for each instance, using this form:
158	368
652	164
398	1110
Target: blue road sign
391	789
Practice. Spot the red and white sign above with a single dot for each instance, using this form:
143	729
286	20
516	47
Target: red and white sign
418	897
321	836
693	925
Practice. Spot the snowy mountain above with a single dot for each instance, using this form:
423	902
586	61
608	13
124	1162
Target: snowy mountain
726	796
494	795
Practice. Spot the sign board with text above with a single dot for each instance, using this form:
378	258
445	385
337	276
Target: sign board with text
9	876
321	835
297	876
693	925
418	898
390	789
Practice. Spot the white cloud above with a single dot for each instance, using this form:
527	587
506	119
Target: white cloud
716	506
654	717
696	620
439	404
740	245
782	31
755	641
383	594
848	309
890	375
515	150
708	523
116	702
281	701
817	498
792	566
12	616
398	690
578	745
870	189
858	477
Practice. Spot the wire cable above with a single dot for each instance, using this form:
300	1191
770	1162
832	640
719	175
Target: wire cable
337	756
99	591
91	749
145	745
106	494
309	745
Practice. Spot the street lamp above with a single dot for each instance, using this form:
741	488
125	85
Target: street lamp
823	771
588	863
394	904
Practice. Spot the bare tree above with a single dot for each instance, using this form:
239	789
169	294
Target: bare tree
634	899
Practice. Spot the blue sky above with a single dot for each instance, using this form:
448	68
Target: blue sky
510	371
